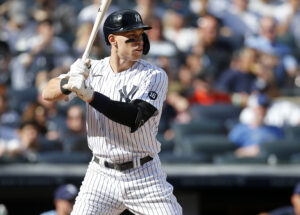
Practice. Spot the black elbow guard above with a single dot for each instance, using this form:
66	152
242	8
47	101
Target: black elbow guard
145	111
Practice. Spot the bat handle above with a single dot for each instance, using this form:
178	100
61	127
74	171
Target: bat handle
85	57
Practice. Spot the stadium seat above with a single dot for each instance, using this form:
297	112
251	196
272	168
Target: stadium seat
289	91
63	158
281	149
166	145
295	158
292	132
208	145
205	126
46	145
220	112
4	159
173	158
231	158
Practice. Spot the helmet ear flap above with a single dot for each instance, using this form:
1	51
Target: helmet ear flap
146	46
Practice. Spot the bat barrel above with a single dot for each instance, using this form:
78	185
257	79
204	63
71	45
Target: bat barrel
101	12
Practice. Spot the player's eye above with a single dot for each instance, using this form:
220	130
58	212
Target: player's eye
134	38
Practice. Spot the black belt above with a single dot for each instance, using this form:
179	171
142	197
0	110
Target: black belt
122	166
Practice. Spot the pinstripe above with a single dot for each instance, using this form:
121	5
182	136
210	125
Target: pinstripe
97	195
143	190
122	145
155	198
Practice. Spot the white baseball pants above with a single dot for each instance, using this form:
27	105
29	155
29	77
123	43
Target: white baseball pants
143	190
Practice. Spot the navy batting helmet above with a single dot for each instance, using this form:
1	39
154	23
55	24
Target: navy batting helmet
122	21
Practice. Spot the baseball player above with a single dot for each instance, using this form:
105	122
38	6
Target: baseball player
124	96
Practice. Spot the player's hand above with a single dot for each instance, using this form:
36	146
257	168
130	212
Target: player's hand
75	83
86	93
79	71
79	67
78	85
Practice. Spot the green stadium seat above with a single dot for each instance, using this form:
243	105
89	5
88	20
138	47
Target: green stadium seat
212	127
281	149
208	145
220	112
231	158
292	132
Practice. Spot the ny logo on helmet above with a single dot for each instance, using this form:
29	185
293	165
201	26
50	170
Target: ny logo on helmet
137	18
127	97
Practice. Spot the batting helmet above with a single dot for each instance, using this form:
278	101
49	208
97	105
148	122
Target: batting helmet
122	21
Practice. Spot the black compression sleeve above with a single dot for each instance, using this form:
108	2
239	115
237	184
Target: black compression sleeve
129	114
123	113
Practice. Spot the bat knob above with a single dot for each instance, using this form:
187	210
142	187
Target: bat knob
88	63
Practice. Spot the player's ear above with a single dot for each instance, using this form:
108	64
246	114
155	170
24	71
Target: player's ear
112	39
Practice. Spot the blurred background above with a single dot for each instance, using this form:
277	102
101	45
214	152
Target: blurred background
230	124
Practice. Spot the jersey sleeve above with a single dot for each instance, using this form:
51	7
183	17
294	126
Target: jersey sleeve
154	88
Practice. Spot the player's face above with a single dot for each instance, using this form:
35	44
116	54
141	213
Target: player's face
130	44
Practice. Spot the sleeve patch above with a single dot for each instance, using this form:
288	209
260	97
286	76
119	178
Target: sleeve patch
152	95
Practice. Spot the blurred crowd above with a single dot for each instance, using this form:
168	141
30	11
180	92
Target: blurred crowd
235	62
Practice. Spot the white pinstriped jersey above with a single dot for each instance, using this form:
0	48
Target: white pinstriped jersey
111	140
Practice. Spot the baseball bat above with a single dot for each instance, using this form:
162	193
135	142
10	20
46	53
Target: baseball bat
101	12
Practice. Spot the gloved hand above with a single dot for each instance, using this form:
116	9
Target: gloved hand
74	83
79	71
79	67
86	93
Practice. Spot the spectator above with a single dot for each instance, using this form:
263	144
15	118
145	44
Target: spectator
289	10
62	13
195	63
5	57
213	48
280	113
149	8
283	113
18	28
64	198
45	52
55	115
167	118
287	29
206	94
274	8
248	137
162	52
22	143
267	43
240	20
294	209
240	77
161	47
36	112
82	36
73	137
180	104
48	133
270	73
8	117
176	30
198	7
203	7
88	13
184	83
